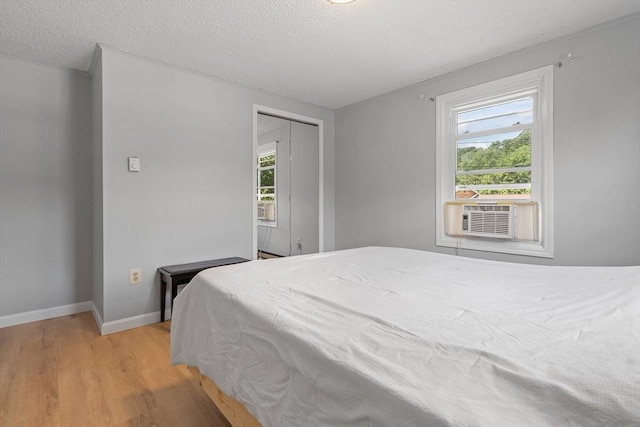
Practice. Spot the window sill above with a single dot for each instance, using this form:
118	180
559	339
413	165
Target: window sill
270	224
535	249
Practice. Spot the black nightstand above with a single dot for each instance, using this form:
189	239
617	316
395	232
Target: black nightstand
179	274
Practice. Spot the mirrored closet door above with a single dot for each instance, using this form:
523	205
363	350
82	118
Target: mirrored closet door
287	187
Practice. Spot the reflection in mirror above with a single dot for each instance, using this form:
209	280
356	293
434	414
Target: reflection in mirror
287	187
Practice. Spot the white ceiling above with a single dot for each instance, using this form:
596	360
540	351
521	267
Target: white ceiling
311	50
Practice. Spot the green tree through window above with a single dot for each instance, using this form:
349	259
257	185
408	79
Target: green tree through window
508	153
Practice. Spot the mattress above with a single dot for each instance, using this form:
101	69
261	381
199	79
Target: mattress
396	337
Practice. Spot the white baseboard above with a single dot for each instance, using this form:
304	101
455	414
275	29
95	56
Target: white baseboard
45	313
105	328
129	323
97	317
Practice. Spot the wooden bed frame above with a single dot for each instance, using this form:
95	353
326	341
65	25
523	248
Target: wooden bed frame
235	412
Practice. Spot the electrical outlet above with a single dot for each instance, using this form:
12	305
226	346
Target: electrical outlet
299	243
135	276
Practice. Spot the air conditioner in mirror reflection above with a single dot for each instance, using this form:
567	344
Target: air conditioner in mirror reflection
511	221
266	211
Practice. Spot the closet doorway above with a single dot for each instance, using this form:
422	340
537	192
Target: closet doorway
288	188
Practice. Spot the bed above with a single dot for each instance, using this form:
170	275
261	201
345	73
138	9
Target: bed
397	337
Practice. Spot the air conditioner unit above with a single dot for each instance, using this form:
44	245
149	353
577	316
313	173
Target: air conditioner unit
266	211
494	221
262	211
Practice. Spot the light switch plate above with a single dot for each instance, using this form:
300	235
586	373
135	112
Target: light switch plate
134	164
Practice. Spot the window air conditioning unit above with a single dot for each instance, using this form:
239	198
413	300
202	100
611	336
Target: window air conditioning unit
262	211
266	211
494	221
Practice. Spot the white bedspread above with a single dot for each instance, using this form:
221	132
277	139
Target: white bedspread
395	337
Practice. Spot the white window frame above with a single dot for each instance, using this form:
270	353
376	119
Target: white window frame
541	82
263	150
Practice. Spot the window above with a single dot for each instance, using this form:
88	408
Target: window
267	190
495	145
493	149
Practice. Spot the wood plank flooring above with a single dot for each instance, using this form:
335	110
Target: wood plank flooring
61	372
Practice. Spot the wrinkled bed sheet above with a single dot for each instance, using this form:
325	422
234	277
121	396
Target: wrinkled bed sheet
396	337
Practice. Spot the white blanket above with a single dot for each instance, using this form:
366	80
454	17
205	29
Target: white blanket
395	337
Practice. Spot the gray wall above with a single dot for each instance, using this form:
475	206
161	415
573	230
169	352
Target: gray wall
385	153
193	199
45	187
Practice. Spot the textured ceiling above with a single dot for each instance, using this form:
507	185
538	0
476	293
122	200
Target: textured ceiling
311	50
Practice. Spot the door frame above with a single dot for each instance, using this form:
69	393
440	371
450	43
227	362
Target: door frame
287	115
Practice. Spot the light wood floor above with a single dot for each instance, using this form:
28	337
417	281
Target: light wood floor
61	372
267	255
